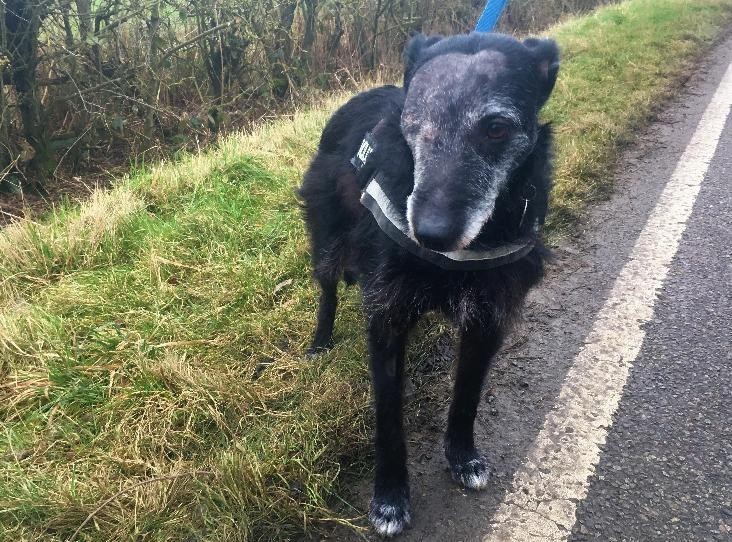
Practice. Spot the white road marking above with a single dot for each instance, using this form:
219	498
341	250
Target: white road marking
553	479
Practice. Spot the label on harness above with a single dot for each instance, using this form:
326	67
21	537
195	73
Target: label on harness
364	151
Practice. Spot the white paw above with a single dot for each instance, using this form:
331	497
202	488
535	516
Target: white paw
472	474
388	519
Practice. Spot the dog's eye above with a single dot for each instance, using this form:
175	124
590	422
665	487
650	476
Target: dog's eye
496	130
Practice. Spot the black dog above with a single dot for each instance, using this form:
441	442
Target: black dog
437	209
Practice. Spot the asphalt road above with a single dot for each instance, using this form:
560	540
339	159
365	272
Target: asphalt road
666	468
664	457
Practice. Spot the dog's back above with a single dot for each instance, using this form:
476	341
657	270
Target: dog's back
331	188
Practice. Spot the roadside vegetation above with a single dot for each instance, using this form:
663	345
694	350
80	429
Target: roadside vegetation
153	383
88	85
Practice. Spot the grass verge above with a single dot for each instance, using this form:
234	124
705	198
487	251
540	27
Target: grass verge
153	385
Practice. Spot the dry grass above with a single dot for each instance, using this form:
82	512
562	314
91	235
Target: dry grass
153	384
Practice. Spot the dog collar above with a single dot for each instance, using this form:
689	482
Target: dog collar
394	224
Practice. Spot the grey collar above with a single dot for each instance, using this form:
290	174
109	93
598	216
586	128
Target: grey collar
392	222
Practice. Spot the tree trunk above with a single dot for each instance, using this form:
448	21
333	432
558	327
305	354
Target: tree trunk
153	84
334	40
371	60
283	49
22	24
310	12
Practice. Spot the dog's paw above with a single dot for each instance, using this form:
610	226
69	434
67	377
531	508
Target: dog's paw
316	351
472	473
312	353
389	517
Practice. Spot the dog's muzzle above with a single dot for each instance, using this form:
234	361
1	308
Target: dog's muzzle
393	222
394	225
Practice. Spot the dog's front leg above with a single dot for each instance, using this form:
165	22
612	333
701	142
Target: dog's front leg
389	509
478	345
327	304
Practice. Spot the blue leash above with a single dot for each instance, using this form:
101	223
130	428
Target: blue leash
490	16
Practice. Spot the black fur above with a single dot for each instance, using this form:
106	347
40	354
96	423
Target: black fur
397	287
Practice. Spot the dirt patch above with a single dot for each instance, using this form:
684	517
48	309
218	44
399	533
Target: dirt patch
31	204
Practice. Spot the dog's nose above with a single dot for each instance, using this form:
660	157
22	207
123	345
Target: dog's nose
434	232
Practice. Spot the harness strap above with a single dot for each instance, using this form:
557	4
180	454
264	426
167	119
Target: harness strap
394	224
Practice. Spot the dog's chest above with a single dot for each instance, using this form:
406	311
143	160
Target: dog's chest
474	297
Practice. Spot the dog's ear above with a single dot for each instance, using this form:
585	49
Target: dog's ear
412	53
546	53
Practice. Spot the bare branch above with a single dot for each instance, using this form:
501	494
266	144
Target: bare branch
194	39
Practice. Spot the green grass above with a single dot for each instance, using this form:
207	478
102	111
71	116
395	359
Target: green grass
151	341
618	67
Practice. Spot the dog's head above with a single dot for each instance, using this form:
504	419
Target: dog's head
470	119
